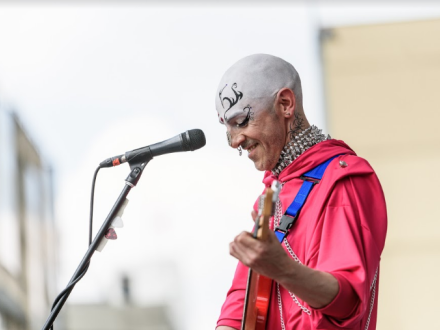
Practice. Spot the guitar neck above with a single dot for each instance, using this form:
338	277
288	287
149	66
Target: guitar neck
258	289
262	223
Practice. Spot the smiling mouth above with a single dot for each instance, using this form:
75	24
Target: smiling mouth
252	148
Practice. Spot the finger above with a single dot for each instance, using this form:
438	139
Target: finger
271	237
238	251
241	246
245	240
245	256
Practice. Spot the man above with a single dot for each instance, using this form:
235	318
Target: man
326	270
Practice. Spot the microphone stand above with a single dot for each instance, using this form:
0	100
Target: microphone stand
136	171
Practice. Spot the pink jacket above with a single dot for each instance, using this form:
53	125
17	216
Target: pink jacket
340	230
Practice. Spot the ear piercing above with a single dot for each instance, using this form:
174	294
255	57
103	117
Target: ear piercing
239	150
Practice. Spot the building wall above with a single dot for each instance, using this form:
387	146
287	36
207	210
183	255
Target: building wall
27	231
106	317
382	88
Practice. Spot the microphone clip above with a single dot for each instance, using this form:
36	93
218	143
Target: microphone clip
136	172
138	157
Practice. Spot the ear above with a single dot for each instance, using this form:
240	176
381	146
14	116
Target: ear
286	102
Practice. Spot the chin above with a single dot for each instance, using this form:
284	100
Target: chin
264	162
263	167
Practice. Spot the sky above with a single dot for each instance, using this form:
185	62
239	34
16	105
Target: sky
89	81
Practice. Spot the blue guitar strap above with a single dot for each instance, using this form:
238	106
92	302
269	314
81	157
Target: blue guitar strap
310	178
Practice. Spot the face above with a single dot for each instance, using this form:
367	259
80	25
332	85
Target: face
252	125
260	133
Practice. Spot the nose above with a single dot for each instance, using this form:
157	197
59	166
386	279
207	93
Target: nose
236	139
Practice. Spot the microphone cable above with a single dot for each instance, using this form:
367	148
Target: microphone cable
80	276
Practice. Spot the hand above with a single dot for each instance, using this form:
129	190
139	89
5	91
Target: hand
267	258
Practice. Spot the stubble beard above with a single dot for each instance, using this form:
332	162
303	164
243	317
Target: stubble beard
270	158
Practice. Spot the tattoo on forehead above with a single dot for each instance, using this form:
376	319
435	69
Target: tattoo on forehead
296	127
231	100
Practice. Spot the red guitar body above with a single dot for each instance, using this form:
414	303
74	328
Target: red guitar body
259	296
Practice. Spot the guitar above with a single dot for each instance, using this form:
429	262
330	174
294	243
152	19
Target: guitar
259	287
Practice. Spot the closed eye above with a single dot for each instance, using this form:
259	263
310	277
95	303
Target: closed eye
245	122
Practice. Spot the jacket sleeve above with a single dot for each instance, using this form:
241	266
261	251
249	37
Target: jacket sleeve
232	309
348	243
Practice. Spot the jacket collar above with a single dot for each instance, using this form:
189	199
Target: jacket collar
311	158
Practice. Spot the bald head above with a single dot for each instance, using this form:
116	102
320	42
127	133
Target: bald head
252	83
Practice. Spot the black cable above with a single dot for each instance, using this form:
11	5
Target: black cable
91	204
80	276
67	288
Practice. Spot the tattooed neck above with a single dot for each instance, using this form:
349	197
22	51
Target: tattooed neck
296	126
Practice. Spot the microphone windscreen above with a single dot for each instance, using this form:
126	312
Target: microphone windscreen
193	139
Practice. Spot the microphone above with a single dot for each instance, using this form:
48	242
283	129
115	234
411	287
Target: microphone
188	141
